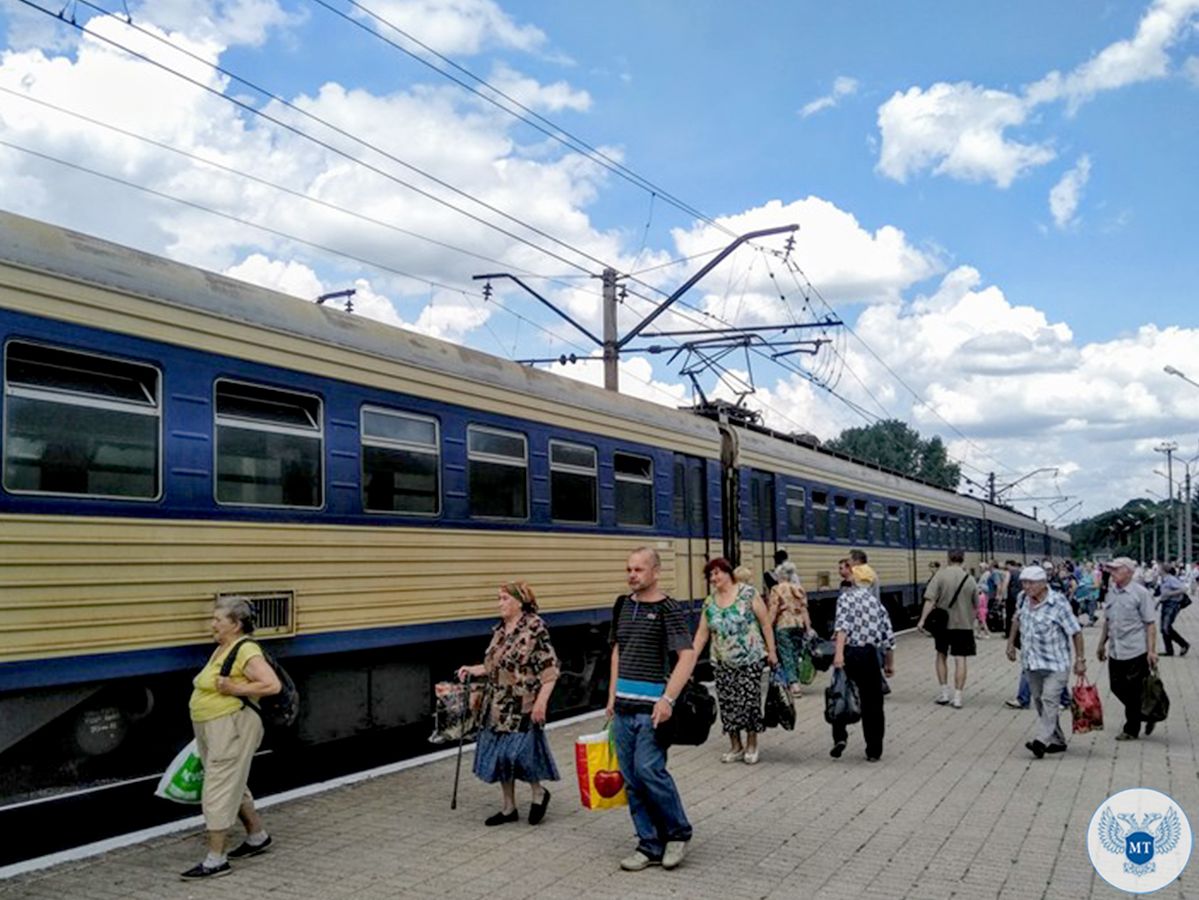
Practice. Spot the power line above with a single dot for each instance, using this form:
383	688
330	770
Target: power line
324	144
257	180
526	115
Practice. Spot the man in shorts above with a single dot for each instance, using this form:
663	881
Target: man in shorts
954	590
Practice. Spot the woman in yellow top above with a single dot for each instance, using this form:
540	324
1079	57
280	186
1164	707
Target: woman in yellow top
227	734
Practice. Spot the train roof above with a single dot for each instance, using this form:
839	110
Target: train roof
39	247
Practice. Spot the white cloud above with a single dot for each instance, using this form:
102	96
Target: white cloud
458	27
962	130
1065	195
1191	69
843	86
849	263
529	92
957	130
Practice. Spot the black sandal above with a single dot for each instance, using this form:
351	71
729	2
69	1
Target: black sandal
502	818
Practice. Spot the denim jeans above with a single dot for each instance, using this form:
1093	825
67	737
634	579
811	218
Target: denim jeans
1024	692
654	800
1170	610
1045	682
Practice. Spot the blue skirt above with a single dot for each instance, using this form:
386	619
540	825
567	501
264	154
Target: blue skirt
514	756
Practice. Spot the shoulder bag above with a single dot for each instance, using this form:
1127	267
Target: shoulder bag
937	620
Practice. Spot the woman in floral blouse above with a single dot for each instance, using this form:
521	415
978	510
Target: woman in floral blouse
788	608
742	643
521	669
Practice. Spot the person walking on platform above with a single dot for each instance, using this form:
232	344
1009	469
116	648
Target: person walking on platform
647	626
787	605
862	631
1011	588
228	732
952	589
784	569
1172	592
1129	637
1045	626
521	670
737	621
859	558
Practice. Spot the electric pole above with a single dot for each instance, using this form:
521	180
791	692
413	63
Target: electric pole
611	348
1168	448
991	486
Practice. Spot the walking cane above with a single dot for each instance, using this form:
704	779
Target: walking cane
465	720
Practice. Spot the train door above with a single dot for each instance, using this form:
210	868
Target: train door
691	526
762	533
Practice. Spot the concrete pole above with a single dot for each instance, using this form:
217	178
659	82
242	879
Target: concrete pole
611	353
1179	524
1190	525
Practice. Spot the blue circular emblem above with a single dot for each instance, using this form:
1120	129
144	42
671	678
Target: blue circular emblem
1139	840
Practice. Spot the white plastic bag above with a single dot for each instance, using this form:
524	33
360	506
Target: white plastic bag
183	781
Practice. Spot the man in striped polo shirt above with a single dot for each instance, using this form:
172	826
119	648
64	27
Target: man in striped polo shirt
647	626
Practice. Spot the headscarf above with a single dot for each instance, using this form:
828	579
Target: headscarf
864	574
521	592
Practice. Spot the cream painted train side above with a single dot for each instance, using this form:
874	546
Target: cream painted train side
170	436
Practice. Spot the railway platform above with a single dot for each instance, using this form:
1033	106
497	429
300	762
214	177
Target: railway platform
957	808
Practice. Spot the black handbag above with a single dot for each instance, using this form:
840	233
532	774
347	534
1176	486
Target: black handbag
691	721
822	652
842	704
1155	703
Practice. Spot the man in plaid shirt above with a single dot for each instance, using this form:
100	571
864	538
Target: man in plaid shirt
1045	626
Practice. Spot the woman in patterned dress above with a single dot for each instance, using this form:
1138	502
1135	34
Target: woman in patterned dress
861	631
521	669
788	607
736	620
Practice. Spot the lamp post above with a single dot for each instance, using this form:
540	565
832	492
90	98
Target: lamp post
1168	448
1170	370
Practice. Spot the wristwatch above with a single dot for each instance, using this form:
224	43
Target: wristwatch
669	699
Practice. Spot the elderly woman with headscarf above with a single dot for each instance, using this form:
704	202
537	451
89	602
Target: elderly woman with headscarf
521	669
738	623
228	731
861	631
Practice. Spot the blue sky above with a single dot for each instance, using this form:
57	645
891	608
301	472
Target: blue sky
995	196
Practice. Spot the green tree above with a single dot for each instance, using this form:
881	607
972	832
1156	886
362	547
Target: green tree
895	445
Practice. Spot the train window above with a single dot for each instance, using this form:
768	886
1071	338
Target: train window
795	511
80	424
268	446
401	462
841	518
922	534
573	482
955	534
861	525
499	473
877	533
820	514
893	535
634	489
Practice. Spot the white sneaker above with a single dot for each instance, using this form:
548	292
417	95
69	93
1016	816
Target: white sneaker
637	861
674	853
956	702
943	697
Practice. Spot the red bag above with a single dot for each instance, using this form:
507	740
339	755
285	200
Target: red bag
1085	705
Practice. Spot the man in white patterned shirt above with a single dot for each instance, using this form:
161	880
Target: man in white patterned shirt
1045	625
861	630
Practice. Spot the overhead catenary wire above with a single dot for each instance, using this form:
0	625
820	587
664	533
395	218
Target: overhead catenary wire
516	109
247	107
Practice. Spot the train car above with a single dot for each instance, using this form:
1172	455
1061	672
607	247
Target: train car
171	436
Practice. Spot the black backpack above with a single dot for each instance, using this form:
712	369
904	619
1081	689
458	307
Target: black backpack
276	710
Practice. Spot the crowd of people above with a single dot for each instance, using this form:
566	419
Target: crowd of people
1038	607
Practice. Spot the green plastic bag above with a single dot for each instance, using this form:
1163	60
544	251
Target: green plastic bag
807	671
183	781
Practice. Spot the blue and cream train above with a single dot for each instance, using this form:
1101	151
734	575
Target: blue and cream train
171	435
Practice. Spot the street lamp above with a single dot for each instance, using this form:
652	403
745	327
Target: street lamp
1170	370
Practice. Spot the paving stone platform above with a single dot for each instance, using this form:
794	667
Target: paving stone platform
956	809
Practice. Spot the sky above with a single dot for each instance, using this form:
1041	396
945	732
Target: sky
993	197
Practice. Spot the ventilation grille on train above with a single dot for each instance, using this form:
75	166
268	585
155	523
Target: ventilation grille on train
272	611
